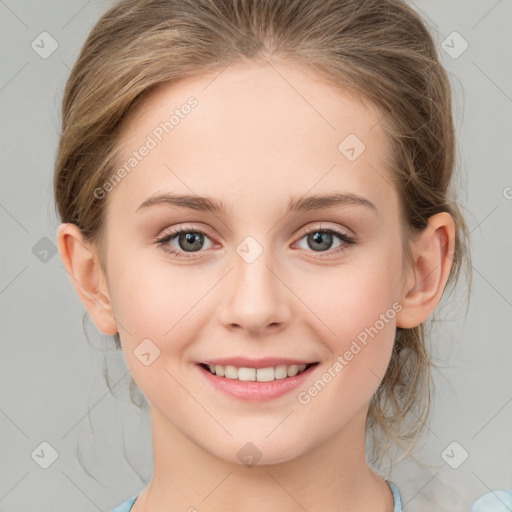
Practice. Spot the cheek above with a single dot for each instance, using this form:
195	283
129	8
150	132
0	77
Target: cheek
351	298
359	331
156	302
355	307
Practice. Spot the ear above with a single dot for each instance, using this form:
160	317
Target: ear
81	262
433	254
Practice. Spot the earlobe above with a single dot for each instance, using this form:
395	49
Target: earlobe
433	257
81	262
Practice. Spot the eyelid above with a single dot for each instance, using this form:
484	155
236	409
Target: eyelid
322	227
346	238
162	240
184	228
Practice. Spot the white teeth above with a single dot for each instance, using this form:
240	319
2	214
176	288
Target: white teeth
265	374
281	371
231	372
247	374
260	374
293	370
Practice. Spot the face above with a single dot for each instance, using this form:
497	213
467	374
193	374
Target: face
319	283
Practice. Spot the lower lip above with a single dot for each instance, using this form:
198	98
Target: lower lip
254	390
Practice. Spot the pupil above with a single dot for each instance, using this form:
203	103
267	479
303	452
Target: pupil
191	238
318	238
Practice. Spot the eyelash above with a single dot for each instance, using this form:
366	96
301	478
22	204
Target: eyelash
162	242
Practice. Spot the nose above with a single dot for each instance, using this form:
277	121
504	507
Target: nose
254	296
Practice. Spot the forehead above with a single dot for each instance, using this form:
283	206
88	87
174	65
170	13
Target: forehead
251	130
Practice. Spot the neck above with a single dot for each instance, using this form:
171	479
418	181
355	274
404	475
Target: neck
333	476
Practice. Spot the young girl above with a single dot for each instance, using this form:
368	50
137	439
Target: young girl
255	203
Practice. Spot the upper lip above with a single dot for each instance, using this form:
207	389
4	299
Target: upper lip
266	362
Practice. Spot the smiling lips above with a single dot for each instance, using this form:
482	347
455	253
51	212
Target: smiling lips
255	381
261	370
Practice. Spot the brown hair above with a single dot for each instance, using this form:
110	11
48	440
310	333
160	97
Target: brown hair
378	49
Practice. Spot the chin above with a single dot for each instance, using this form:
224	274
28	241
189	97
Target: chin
259	451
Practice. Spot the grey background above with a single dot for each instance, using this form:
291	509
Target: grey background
51	384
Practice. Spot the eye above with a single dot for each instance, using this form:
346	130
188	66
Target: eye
188	240
321	239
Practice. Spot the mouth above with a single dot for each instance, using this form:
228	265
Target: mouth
250	384
252	374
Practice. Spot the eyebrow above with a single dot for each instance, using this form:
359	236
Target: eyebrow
305	203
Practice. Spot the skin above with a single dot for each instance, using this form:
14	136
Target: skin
253	142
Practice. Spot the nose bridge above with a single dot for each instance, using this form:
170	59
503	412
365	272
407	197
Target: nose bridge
253	294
